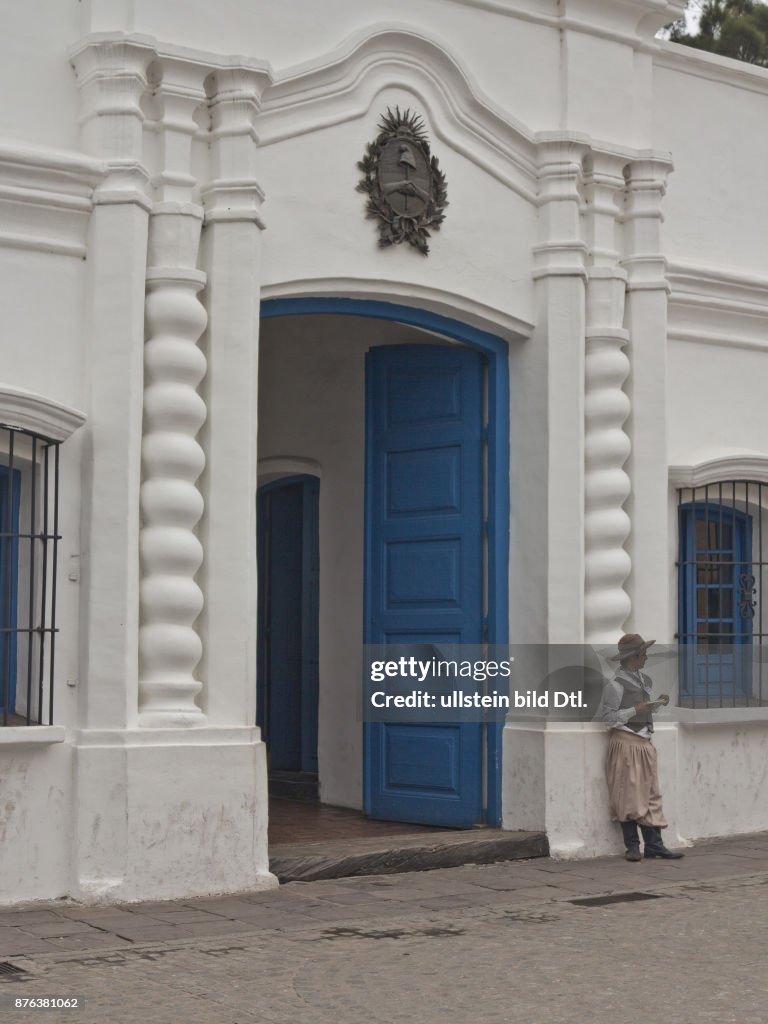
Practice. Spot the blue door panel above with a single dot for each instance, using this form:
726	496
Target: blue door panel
419	756
424	564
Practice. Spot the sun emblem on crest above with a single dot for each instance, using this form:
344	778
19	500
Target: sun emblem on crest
407	191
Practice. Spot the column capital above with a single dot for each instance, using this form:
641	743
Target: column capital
604	185
561	251
643	216
235	94
112	73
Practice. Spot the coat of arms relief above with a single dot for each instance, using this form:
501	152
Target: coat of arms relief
407	191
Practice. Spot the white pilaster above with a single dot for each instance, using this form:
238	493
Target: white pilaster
232	259
606	407
112	77
559	270
646	322
148	788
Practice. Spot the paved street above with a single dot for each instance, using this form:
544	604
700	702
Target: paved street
476	944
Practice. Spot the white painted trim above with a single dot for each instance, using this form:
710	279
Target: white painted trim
718	287
203	736
450	304
694	337
278	466
31	735
721	716
46	198
27	410
657	14
744	465
711	66
58	166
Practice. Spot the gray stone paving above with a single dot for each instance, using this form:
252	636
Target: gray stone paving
479	944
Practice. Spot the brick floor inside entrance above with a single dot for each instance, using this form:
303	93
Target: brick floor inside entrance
293	821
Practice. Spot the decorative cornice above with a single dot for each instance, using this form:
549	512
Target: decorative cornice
343	85
46	198
717	306
718	288
629	22
726	466
27	410
711	66
450	304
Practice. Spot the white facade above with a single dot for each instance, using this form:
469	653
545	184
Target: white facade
606	221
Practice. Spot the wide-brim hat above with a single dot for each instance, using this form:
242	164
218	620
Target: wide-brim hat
630	645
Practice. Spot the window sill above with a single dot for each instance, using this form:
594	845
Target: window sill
31	735
720	716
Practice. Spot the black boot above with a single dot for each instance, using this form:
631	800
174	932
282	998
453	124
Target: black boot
654	844
631	840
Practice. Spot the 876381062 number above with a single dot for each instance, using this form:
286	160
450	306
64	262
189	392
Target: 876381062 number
14	1002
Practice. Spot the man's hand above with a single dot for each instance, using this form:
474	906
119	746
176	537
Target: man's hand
644	706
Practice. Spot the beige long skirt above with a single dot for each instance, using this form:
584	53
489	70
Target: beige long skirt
633	780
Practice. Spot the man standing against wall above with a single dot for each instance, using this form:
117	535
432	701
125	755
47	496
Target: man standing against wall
631	765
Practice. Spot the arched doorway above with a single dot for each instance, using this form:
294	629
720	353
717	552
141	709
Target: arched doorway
315	353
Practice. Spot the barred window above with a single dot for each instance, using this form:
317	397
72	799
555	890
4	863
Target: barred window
721	575
29	539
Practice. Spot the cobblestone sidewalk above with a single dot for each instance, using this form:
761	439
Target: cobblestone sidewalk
513	942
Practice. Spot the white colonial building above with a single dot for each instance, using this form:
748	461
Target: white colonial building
550	429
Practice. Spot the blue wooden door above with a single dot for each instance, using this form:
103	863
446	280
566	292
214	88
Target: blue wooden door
424	565
288	622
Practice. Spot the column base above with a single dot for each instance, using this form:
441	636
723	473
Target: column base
169	814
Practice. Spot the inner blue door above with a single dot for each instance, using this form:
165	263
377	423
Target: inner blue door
424	565
287	692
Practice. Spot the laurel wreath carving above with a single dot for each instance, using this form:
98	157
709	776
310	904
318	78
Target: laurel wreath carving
393	227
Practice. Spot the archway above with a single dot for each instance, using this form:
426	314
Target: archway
312	373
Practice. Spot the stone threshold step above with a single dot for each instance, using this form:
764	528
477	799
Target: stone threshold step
389	855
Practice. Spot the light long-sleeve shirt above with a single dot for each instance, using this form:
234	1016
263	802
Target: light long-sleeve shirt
610	711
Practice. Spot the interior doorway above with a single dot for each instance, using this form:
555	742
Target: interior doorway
287	692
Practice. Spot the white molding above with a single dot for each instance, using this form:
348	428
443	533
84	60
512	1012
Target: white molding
688	717
200	736
645	16
343	85
31	735
718	287
711	305
450	304
27	410
275	467
711	67
695	337
743	465
46	198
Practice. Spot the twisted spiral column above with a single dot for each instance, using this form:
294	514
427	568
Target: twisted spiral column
171	504
606	409
606	488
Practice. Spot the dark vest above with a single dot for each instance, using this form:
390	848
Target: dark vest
634	693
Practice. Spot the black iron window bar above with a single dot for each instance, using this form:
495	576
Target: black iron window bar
29	540
721	619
